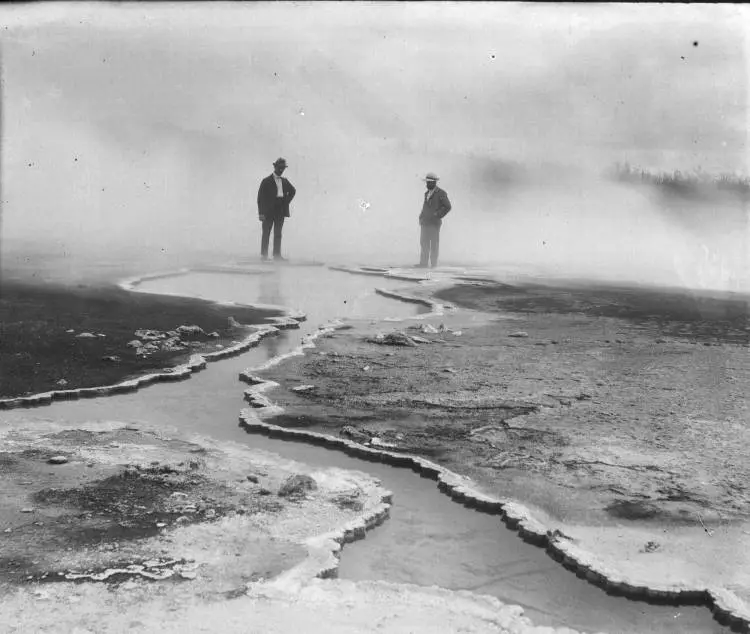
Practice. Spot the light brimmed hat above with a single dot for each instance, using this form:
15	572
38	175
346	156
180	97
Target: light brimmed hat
431	176
280	161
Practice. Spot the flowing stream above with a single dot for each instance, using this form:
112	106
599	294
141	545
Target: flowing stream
429	539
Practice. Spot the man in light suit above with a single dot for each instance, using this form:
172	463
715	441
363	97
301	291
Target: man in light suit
435	207
274	195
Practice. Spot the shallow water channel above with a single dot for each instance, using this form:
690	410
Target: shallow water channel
429	539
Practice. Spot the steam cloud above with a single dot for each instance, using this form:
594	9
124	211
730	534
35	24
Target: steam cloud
145	130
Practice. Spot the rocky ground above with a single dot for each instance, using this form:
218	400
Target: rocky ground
58	337
108	527
618	416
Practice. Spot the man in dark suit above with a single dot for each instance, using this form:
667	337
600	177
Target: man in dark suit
274	195
435	207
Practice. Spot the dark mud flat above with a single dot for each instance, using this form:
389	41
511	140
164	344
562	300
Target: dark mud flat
37	352
698	316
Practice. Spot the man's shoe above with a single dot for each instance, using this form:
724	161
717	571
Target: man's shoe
420	266
279	258
264	258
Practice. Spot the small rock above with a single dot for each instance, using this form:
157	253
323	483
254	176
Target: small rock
188	574
160	524
7	530
354	433
70	330
651	547
190	330
252	478
57	460
297	485
61	383
366	368
457	333
263	491
100	334
519	334
218	345
661	340
303	388
213	334
429	329
376	442
182	519
85	335
619	341
112	358
150	335
210	513
134	343
398	339
449	370
27	510
416	339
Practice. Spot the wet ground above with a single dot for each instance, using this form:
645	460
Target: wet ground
475	550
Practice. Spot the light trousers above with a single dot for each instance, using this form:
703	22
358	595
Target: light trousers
430	243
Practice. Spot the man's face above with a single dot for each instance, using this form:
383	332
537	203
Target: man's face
279	169
431	184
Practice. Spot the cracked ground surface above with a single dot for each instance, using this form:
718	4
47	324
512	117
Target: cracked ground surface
622	417
653	425
120	528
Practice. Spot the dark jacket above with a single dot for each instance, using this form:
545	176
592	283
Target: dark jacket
268	203
435	209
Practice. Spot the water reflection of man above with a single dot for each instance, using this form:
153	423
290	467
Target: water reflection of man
435	207
274	195
270	294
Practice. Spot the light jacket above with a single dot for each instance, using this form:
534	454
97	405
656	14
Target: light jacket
436	208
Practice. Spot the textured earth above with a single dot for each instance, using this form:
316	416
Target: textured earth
618	415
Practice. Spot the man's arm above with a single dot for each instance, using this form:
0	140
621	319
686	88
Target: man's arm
445	205
292	192
261	201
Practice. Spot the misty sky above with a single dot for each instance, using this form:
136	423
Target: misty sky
152	124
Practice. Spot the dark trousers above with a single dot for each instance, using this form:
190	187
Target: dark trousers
430	242
275	221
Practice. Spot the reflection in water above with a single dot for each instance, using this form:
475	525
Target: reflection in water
270	293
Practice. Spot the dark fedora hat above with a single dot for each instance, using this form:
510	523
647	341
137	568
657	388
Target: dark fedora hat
280	161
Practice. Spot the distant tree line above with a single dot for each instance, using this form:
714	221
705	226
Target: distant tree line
676	179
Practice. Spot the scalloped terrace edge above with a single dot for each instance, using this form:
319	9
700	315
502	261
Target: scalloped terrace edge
324	551
726	607
197	362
